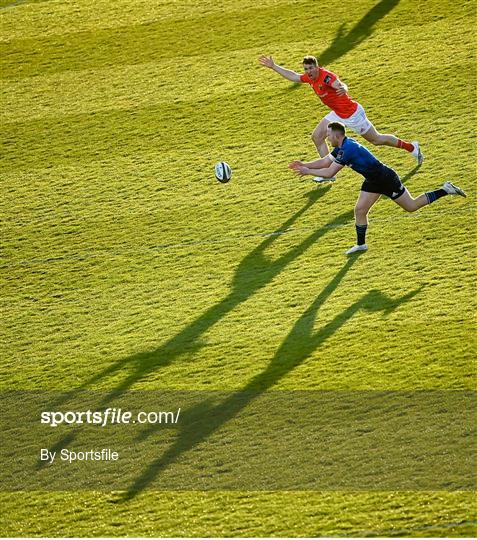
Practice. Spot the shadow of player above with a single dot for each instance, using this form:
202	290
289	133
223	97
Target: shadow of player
253	273
202	420
345	41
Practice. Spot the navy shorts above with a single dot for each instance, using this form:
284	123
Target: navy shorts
386	182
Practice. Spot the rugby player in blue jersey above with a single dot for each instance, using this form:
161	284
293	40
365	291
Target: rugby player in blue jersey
378	179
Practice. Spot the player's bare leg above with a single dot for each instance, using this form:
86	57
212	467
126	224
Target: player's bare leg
363	205
411	204
319	139
374	137
378	139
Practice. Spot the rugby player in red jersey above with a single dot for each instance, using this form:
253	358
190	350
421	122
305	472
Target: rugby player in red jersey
334	94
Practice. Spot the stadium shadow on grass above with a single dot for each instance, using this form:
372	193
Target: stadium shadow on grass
153	41
15	3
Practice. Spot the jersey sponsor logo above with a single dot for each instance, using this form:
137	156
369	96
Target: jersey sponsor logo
327	79
340	154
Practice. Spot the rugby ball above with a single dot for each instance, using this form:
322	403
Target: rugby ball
223	172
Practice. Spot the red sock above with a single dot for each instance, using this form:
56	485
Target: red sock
406	145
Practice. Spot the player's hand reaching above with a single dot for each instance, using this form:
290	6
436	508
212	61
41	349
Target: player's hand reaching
295	164
267	61
302	171
342	89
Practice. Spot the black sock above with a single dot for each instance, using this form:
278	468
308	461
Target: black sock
361	234
434	195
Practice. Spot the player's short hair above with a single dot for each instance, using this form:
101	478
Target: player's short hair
337	126
310	60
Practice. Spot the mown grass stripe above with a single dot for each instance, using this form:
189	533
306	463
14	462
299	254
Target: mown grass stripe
155	41
120	172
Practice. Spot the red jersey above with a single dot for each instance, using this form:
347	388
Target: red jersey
343	105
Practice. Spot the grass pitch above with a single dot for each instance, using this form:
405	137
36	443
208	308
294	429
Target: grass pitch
127	266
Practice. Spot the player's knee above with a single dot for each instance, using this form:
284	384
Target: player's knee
361	211
318	137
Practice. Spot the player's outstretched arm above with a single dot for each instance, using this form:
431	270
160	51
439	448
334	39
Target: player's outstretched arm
325	172
321	163
268	62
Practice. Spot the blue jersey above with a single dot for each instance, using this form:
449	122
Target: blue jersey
357	157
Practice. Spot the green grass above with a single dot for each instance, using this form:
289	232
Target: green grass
127	266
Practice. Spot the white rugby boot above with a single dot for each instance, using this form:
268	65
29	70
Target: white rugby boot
320	179
449	188
357	249
417	152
